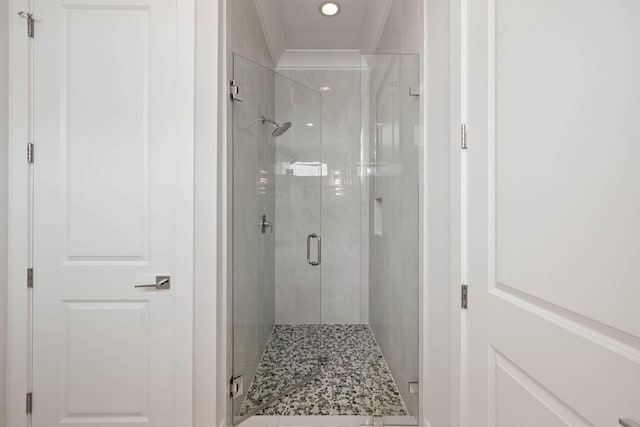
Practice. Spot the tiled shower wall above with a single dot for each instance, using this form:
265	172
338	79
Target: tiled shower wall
253	196
298	202
340	296
253	291
396	150
394	224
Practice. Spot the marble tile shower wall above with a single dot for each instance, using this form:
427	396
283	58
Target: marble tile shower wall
338	296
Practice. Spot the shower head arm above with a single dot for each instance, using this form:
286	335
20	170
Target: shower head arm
262	119
265	119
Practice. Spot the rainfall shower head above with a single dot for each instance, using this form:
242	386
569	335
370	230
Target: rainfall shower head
280	129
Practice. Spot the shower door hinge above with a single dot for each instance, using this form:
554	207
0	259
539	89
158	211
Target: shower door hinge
463	136
236	386
464	297
29	403
30	22
29	277
30	152
235	91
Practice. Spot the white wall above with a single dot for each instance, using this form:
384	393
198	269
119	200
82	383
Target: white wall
4	79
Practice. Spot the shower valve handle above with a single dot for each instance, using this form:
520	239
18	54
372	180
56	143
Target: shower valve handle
264	224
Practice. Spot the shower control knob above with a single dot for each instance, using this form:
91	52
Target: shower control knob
264	224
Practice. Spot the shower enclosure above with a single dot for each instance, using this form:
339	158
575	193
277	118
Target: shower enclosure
325	240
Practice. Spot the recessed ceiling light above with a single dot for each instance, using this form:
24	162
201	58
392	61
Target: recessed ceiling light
325	88
330	8
310	125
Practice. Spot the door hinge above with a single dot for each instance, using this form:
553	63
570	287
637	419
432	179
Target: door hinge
236	386
30	22
29	403
30	152
463	136
29	277
235	91
464	297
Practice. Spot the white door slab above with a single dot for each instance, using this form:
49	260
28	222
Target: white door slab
111	210
554	201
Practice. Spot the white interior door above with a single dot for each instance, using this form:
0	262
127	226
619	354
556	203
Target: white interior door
111	210
554	209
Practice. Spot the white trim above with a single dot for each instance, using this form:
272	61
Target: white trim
207	123
184	325
18	324
423	291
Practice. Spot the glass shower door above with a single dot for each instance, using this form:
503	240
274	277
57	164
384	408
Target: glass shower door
276	235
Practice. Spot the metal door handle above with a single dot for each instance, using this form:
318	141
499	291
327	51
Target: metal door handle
319	261
626	422
162	282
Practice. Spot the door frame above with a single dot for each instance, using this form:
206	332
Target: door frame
441	196
19	326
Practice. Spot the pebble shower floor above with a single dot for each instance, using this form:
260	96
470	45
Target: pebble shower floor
353	377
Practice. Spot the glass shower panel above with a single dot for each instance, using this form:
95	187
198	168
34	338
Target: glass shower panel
392	150
276	204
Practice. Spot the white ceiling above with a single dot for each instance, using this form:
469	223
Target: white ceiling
298	25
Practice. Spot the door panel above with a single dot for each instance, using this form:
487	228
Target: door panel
553	207
106	214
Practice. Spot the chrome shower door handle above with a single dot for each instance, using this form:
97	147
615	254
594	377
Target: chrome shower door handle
162	282
309	237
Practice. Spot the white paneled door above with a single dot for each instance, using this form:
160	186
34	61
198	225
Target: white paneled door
111	210
553	214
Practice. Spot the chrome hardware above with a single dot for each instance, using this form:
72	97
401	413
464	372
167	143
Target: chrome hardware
29	403
30	22
319	261
626	422
463	136
264	224
235	91
411	93
237	386
29	277
30	152
414	387
162	282
464	297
